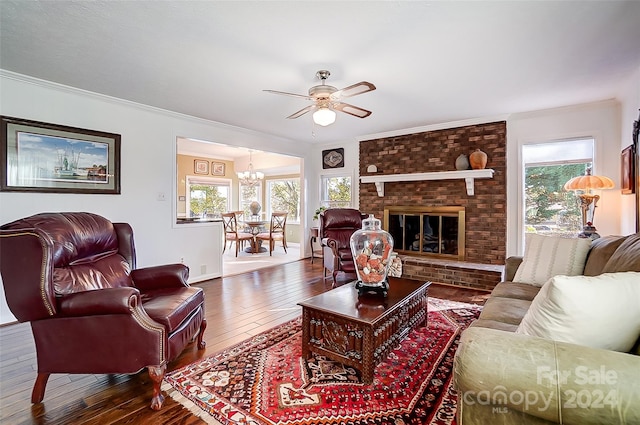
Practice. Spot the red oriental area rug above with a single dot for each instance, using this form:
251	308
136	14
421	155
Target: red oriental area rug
263	380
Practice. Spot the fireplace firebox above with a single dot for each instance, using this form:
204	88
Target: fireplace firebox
427	231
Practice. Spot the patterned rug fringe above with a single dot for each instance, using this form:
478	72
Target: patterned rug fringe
188	404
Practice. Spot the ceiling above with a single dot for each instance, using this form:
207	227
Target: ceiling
432	61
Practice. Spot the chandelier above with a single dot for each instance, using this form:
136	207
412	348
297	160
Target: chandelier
250	178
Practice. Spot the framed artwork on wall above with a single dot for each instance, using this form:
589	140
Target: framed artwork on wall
200	166
217	168
627	167
44	157
333	158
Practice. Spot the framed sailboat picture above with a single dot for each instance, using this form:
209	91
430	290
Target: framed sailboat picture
44	157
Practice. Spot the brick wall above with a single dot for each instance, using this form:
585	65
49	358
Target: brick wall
437	151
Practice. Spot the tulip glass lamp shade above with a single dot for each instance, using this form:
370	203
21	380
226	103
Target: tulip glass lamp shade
583	186
324	116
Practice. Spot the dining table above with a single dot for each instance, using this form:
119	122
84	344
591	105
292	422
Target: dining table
254	227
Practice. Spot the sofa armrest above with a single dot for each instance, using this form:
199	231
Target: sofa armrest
510	267
100	301
498	372
156	277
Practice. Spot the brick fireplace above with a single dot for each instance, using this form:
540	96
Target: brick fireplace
485	209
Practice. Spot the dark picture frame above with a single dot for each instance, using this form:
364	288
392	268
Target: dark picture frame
200	166
628	171
37	156
333	158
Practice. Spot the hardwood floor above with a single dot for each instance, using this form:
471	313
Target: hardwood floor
237	307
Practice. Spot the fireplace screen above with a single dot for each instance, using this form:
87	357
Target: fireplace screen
429	231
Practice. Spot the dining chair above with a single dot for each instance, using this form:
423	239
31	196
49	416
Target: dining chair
277	231
232	233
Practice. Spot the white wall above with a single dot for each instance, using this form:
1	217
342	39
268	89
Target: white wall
599	120
629	96
147	169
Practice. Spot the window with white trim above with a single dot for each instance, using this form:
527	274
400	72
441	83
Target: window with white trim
336	191
248	194
549	209
207	197
283	195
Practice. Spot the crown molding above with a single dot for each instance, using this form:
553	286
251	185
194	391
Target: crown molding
140	106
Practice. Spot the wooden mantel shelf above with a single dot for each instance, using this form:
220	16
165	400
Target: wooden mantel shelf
469	177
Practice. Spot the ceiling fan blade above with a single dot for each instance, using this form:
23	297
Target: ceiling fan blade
351	110
301	112
303	96
353	90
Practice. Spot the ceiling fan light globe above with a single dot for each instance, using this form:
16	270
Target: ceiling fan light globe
324	117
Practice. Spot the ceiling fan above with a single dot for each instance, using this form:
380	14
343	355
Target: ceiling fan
328	99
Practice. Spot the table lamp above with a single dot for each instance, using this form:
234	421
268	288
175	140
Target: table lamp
583	186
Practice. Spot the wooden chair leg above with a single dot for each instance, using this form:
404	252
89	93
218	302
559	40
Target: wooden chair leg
156	373
38	388
201	343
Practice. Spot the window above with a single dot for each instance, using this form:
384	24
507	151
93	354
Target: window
249	194
284	195
207	197
549	209
335	191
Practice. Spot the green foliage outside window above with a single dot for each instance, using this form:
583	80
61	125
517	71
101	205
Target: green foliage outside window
285	196
207	200
338	192
248	195
548	207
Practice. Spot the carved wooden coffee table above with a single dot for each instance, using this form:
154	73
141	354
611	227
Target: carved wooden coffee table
360	331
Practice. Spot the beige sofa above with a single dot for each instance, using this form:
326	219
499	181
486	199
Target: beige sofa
504	377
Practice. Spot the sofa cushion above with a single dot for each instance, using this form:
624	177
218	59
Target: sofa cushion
521	291
548	256
507	310
595	311
627	256
601	250
494	324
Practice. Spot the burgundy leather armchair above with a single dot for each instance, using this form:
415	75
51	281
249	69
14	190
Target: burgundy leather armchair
336	227
74	277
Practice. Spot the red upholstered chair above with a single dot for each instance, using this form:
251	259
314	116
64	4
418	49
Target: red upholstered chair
74	277
336	227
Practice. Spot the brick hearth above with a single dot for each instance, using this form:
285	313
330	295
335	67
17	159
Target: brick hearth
485	211
448	272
